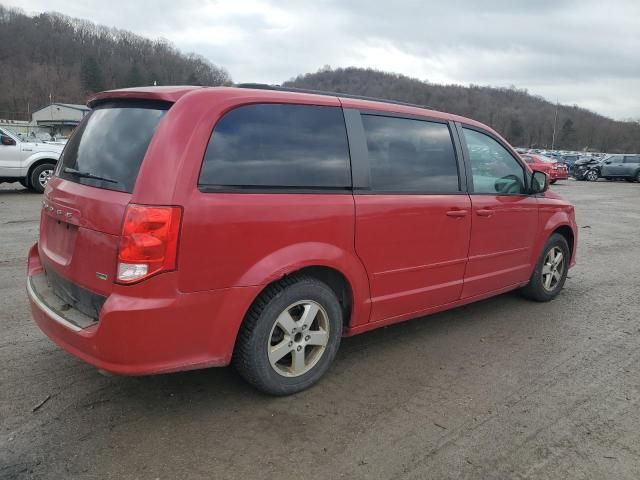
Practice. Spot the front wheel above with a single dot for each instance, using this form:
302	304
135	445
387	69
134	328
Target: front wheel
551	270
290	336
40	176
591	176
553	181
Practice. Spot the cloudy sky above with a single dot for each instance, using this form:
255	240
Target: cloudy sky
580	52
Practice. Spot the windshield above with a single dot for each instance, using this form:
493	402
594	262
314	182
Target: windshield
107	149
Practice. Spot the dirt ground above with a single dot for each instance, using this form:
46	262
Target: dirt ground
504	388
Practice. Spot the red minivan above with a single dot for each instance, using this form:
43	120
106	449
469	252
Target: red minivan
190	227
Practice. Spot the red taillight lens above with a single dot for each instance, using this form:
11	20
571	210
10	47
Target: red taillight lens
149	242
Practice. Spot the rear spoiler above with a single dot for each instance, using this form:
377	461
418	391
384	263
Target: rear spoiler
162	94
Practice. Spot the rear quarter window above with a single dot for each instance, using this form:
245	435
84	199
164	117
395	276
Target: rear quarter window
107	149
278	146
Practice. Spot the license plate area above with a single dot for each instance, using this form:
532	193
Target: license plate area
58	238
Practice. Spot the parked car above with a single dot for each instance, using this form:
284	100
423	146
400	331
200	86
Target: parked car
569	160
625	166
258	226
30	163
587	168
554	169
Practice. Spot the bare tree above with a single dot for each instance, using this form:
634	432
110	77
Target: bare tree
54	56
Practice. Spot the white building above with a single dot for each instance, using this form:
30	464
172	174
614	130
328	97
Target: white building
59	118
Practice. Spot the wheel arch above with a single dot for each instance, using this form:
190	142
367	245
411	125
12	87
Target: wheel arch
561	221
335	280
37	163
567	232
328	262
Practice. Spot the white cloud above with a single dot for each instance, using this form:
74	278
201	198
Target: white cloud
576	51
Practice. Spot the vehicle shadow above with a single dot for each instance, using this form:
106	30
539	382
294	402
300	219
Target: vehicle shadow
17	191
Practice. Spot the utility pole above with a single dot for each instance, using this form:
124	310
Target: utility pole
555	124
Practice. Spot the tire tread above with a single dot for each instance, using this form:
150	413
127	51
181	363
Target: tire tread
243	355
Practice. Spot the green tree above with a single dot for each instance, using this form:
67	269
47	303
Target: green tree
567	132
193	79
134	78
91	76
516	131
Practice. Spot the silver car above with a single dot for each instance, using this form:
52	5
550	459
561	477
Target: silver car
625	166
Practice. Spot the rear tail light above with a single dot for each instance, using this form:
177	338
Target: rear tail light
149	242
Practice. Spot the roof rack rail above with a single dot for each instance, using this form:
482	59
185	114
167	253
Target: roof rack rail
280	88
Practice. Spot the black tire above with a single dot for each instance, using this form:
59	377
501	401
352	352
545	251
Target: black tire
251	357
35	178
24	182
553	181
630	179
638	176
535	289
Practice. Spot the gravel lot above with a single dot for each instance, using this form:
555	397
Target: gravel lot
504	388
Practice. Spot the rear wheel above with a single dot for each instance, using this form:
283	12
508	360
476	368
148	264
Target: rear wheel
40	176
551	270
591	176
638	176
290	336
553	181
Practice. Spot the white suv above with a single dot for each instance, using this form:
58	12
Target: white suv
29	163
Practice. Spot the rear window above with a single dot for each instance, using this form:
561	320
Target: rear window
278	146
107	149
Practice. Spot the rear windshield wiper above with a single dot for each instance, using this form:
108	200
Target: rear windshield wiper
78	173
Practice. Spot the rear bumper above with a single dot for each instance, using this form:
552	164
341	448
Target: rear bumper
559	175
150	327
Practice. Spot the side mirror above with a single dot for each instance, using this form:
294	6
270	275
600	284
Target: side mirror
8	141
539	182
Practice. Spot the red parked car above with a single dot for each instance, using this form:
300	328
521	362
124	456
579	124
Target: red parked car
191	227
554	169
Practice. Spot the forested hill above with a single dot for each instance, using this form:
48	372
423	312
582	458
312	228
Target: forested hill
68	58
525	120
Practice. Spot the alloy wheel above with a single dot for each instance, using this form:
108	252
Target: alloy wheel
553	269
298	338
44	177
592	175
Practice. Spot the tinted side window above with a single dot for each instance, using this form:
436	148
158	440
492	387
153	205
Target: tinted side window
494	169
410	155
630	159
279	145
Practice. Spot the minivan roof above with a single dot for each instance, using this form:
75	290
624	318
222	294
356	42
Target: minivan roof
174	93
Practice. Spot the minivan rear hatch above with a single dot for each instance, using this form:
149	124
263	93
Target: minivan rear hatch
85	202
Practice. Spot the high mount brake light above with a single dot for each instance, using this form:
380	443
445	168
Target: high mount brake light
149	242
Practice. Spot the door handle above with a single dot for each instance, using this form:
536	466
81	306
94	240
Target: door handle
457	213
485	212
